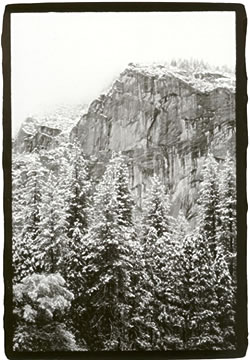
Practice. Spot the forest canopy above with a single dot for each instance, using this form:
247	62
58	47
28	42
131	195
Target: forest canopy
93	271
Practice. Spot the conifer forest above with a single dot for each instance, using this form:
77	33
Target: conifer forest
95	271
124	234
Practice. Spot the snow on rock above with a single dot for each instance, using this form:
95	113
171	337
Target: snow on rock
47	129
165	119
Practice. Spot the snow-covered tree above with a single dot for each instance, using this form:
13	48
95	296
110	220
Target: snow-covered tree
156	247
108	263
144	317
52	240
156	209
179	228
227	232
208	203
77	209
195	302
40	302
28	182
226	296
79	186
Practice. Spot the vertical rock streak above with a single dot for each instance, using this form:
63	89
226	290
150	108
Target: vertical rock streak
165	125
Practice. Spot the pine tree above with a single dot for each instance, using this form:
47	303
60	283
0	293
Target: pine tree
77	216
196	296
156	209
227	233
40	302
225	292
208	203
26	213
52	239
157	247
142	303
145	318
179	228
108	265
77	209
79	185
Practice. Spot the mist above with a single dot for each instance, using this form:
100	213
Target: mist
70	58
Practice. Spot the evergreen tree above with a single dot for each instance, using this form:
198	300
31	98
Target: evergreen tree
196	296
108	265
208	203
52	239
142	304
179	228
40	302
227	233
19	171
79	186
226	300
77	209
156	209
148	306
157	249
26	213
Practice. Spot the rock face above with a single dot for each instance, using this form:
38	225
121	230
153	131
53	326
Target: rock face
166	121
33	136
48	130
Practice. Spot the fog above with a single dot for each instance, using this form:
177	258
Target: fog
70	58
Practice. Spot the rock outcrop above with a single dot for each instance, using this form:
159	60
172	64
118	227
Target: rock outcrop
166	121
47	131
33	136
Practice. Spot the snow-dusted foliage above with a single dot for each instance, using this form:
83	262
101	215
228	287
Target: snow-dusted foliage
226	233
52	239
156	209
94	272
28	184
77	210
226	295
198	299
155	249
209	203
108	262
40	302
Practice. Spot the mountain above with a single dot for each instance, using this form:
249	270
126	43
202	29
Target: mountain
164	118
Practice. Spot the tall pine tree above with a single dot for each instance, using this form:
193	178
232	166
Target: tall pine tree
226	296
227	232
51	244
77	208
156	246
208	203
108	264
196	299
27	216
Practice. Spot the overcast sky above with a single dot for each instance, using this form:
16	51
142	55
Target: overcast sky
72	57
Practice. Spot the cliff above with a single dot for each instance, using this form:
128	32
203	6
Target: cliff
166	120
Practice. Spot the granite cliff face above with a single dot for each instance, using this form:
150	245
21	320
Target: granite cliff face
166	121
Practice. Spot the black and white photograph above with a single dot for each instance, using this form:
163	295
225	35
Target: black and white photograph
124	230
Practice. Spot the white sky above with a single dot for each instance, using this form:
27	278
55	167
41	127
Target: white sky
72	57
